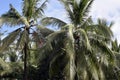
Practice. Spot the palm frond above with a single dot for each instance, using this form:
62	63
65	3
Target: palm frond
111	24
86	9
57	65
44	31
52	48
106	51
40	10
56	46
21	40
53	41
11	18
92	67
12	70
69	11
53	21
80	10
70	70
85	59
85	39
28	8
31	8
3	64
81	63
40	35
9	39
87	24
103	29
4	68
115	46
77	10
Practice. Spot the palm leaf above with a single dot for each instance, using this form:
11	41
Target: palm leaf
44	31
28	8
69	11
111	24
109	57
81	63
93	68
3	64
87	24
104	29
31	8
77	10
6	69
12	70
21	41
80	10
85	40
53	47
115	46
67	41
57	65
11	18
53	21
40	35
69	70
87	7
40	10
9	39
53	41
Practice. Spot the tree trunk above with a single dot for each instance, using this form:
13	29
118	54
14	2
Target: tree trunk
25	62
26	55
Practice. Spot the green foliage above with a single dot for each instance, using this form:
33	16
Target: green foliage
78	51
84	60
53	21
21	37
31	8
9	39
11	18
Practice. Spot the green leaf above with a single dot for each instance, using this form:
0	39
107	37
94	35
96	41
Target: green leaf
21	41
69	70
40	10
33	8
53	21
85	38
9	39
11	18
44	31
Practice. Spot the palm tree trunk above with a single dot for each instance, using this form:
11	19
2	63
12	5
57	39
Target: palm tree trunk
25	56
25	62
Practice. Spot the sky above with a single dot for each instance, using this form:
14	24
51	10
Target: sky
107	9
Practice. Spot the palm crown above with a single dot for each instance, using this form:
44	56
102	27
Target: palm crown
79	49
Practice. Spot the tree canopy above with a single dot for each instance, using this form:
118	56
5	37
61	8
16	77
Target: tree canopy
79	50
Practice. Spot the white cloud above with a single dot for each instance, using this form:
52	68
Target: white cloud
105	8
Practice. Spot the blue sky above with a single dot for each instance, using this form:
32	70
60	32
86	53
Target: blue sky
4	5
108	9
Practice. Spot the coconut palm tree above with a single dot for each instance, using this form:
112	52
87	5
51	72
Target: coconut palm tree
31	12
76	51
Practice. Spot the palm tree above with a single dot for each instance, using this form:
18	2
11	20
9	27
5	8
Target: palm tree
31	12
76	51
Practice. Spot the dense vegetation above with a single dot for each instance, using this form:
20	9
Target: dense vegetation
78	50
